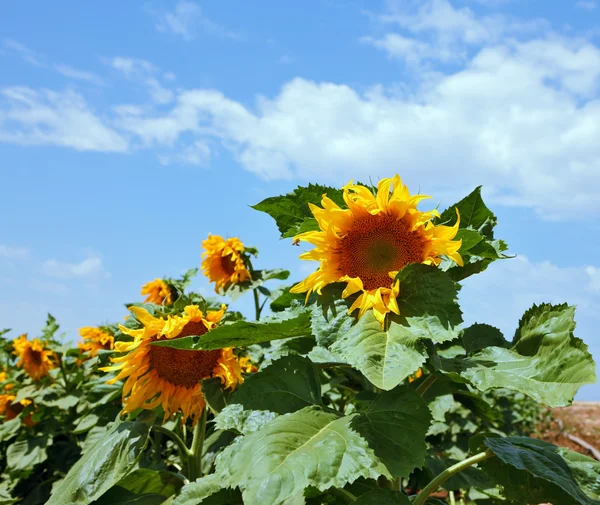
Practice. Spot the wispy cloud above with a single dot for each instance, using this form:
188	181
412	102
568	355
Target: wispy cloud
25	53
188	21
30	117
146	73
91	267
14	252
587	5
81	75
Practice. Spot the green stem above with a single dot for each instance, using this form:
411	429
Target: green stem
183	450
257	307
331	364
64	373
449	472
397	484
195	452
346	495
426	384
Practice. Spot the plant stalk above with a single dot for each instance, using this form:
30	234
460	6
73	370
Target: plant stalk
257	307
426	384
195	452
346	495
64	373
183	450
449	472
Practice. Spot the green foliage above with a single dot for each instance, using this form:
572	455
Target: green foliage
292	213
113	456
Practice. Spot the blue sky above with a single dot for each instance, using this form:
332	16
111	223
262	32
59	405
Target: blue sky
130	130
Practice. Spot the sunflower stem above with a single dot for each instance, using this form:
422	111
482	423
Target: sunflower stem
449	472
426	384
64	373
257	307
183	450
195	452
346	495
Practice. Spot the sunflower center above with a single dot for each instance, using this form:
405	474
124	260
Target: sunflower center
228	264
35	357
184	368
377	245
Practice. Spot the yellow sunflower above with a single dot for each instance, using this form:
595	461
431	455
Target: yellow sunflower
367	243
94	339
223	261
33	357
158	292
170	377
10	410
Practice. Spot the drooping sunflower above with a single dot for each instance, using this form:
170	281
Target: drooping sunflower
158	292
34	357
94	340
223	261
10	410
166	376
367	243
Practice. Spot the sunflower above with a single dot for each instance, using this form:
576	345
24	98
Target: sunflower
223	261
94	339
158	291
10	410
166	376
33	357
367	243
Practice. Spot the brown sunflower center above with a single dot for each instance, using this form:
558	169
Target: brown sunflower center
377	245
184	368
35	357
228	264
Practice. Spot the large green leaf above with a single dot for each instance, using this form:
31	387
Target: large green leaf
282	298
395	425
292	213
208	491
474	214
428	291
533	471
386	358
294	451
545	362
26	453
288	384
481	336
586	471
105	464
330	321
142	487
294	322
235	418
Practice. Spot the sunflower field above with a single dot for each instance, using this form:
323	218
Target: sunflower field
356	385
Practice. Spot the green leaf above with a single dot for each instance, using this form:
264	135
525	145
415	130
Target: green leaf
208	491
25	454
331	321
259	277
546	362
216	396
465	479
292	213
235	418
86	423
382	497
102	466
142	487
294	451
474	214
586	471
386	358
294	322
288	384
533	471
9	429
283	299
428	291
395	425
481	336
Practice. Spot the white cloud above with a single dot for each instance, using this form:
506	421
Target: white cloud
196	154
500	295
144	72
81	75
24	52
187	20
91	267
29	117
585	5
14	252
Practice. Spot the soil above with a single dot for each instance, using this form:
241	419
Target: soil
581	419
